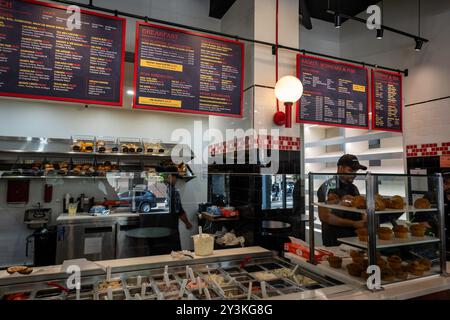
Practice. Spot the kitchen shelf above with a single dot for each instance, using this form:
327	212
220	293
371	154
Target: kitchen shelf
394	242
344	140
351	209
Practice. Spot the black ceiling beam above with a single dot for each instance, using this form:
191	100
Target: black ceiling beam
226	35
218	8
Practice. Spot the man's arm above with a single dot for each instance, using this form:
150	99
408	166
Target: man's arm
184	218
326	216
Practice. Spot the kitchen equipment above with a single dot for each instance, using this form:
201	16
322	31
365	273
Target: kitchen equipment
44	243
37	218
73	209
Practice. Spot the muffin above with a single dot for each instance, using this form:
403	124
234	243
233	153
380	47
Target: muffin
358	257
401	231
422	203
396	202
379	205
401	275
359	202
384	233
381	263
346	200
365	264
355	269
416	268
387	274
426	263
395	262
364	275
363	234
417	230
333	198
335	262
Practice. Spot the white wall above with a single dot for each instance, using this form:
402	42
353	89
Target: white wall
429	69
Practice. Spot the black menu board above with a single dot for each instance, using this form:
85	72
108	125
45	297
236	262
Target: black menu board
334	93
181	71
386	101
41	58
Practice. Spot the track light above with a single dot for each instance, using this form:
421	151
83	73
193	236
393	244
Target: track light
380	33
337	21
419	43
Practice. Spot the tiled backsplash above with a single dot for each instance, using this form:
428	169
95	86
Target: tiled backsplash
428	150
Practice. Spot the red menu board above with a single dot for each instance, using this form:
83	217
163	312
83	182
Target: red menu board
386	101
182	71
41	57
334	93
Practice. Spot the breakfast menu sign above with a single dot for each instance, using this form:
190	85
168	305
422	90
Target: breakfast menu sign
386	101
181	71
334	93
42	58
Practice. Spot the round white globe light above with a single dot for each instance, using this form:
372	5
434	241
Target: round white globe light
289	89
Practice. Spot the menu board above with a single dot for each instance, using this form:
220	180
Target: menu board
41	58
386	101
181	71
334	93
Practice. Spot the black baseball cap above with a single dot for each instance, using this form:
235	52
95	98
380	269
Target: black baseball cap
349	160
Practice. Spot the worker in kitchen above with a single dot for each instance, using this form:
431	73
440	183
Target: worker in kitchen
337	223
176	211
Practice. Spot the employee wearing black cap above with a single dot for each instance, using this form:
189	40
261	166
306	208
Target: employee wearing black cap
337	223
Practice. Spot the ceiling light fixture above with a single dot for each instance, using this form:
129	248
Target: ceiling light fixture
380	33
337	21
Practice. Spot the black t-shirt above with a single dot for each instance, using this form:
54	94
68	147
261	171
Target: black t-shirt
331	233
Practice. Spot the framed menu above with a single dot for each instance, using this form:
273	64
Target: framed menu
334	93
181	71
386	101
41	57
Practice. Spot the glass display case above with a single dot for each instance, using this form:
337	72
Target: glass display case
376	219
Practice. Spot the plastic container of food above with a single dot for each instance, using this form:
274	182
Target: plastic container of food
203	244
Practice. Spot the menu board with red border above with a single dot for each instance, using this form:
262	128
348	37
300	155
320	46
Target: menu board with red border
42	58
386	101
182	71
334	93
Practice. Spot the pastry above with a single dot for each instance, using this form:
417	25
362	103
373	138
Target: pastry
381	263
365	275
113	284
401	275
27	270
384	233
357	257
387	202
333	198
396	202
395	262
363	235
335	262
417	230
355	269
15	269
387	274
422	203
416	268
359	202
401	231
426	263
365	263
346	200
379	205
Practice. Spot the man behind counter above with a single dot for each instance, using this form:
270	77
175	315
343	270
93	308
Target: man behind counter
337	223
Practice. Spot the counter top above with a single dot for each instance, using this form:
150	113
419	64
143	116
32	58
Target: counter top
121	265
64	218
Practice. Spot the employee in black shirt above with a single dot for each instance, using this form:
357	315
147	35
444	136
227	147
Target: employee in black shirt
337	223
176	210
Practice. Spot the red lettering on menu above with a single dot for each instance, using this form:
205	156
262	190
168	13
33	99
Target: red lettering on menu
160	34
6	4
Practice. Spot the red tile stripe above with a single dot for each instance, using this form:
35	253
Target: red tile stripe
428	150
284	143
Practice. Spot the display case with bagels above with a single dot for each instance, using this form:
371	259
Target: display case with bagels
382	223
